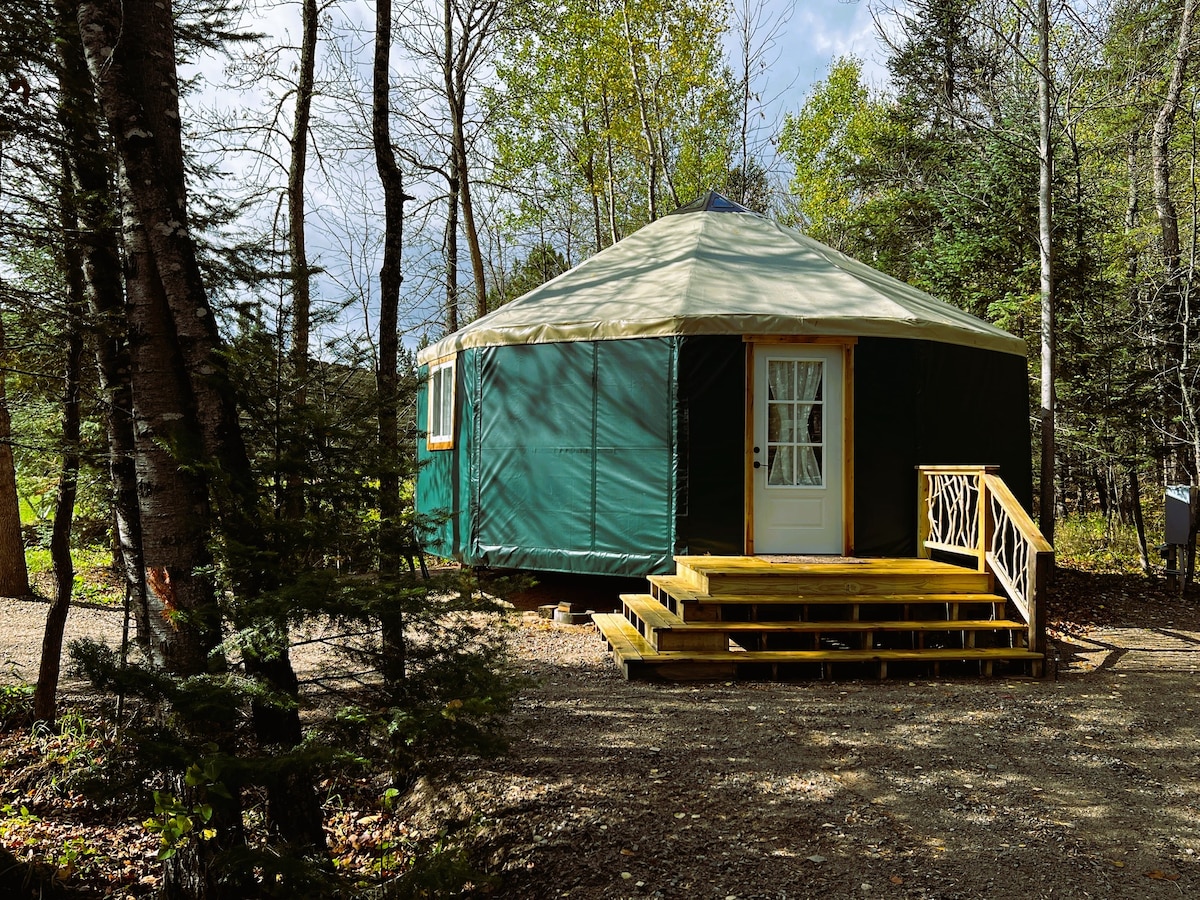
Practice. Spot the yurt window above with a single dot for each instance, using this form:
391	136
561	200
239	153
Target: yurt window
441	405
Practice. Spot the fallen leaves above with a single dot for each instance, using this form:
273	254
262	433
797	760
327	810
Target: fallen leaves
1162	876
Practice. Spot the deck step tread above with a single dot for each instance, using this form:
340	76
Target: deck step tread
677	587
652	613
784	656
656	616
741	565
627	644
684	593
839	575
843	625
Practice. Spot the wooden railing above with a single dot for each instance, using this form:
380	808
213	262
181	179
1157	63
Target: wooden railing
969	510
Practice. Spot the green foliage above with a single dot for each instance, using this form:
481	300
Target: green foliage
455	689
176	823
541	264
16	705
1093	542
451	702
597	102
95	580
936	183
441	871
831	142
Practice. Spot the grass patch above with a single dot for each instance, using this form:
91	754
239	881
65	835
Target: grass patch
1094	543
16	705
95	580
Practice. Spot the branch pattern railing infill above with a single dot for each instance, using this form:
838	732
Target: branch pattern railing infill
952	512
969	510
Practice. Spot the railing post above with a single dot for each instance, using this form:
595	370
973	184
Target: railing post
923	479
987	520
1041	570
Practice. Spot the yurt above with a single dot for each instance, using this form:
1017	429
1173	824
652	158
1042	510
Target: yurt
715	383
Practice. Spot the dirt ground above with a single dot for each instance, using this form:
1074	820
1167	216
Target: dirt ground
1084	784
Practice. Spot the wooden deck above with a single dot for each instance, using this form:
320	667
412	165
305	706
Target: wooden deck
751	617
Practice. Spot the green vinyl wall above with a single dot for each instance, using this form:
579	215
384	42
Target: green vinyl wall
610	457
565	459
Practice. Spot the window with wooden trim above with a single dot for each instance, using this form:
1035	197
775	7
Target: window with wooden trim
441	406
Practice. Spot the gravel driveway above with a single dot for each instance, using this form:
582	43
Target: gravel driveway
1085	784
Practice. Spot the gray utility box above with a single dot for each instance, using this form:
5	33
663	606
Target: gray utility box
1182	503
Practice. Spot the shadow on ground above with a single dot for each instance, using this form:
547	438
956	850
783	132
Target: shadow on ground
1080	786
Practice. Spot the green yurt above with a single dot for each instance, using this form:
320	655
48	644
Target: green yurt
713	383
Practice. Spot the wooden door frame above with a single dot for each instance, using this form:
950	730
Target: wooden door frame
847	344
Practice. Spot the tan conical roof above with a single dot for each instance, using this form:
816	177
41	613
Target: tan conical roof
713	269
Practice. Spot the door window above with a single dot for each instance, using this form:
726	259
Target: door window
795	422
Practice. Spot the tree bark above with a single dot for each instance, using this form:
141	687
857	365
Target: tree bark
1170	326
130	50
93	190
14	574
129	47
452	248
643	115
192	463
453	179
1135	501
45	694
610	175
461	53
387	378
297	249
1046	502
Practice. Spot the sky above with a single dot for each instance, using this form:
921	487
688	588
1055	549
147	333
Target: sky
818	32
808	36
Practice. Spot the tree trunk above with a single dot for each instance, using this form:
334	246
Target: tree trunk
1046	500
191	459
460	55
387	379
643	115
453	180
452	249
130	51
589	173
46	693
1168	313
301	278
610	175
14	574
95	203
1135	501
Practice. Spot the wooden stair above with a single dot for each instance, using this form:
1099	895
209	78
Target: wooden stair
724	617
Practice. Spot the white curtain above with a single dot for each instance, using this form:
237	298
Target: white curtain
794	421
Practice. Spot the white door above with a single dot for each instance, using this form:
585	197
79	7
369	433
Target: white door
797	449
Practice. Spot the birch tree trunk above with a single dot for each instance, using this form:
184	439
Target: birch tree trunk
95	205
1046	500
192	464
129	46
648	134
1170	324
